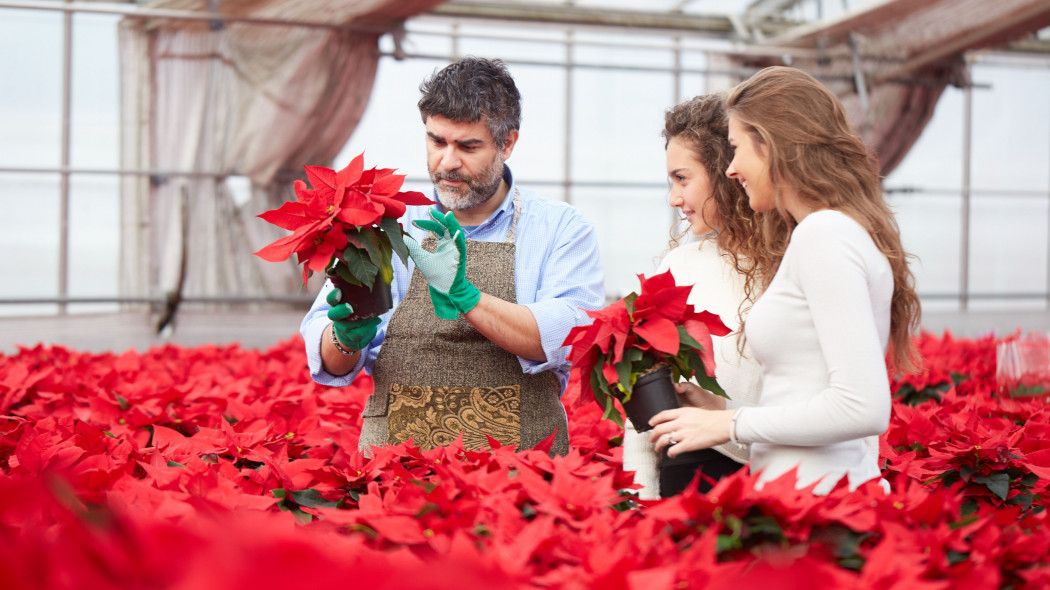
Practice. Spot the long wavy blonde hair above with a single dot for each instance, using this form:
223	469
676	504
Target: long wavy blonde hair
812	149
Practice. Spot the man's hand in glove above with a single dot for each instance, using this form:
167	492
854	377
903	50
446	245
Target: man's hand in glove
352	334
445	268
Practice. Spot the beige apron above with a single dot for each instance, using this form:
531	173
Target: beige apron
436	379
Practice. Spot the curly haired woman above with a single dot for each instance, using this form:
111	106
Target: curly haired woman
717	250
841	296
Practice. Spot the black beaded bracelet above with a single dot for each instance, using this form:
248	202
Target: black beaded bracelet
338	346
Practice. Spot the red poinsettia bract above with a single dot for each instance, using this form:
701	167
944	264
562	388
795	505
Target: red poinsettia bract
247	471
636	333
337	203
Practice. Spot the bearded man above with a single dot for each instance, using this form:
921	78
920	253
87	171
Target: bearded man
498	276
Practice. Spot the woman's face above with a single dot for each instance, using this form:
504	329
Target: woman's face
750	167
690	187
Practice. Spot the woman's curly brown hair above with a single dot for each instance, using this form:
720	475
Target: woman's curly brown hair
701	123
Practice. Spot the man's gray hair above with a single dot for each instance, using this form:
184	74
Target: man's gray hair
470	88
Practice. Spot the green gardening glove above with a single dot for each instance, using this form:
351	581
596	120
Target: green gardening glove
352	334
445	269
444	308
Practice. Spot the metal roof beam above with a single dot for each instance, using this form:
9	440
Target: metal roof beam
561	14
760	9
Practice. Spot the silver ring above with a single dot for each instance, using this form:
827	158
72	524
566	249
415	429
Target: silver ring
671	441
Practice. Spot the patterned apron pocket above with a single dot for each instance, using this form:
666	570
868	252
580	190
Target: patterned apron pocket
435	416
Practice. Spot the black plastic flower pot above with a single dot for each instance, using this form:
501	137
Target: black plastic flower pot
653	393
367	302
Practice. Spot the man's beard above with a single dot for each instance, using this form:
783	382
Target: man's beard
478	189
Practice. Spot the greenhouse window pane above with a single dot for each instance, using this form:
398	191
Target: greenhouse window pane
423	38
1003	304
633	228
616	122
31	89
512	48
540	151
936	159
1011	128
29	233
1008	245
95	118
931	230
614	50
391	133
938	305
94	239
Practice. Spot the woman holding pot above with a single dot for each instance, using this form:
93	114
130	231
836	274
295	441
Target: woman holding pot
841	296
718	250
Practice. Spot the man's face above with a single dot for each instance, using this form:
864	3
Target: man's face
464	163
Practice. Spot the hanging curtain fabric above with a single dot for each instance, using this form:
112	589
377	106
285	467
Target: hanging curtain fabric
890	61
219	98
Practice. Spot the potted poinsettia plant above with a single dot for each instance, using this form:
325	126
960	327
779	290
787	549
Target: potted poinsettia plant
638	347
346	224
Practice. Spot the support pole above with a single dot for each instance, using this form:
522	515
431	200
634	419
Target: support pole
64	159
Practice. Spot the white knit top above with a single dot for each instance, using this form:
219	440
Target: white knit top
717	288
820	332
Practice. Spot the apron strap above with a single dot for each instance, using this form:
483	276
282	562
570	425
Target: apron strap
517	214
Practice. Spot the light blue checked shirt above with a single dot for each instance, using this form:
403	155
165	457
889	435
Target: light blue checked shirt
558	274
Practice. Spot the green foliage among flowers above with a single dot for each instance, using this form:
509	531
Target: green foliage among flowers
638	333
349	216
216	467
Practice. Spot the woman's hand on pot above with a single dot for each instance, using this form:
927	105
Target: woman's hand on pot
689	429
694	396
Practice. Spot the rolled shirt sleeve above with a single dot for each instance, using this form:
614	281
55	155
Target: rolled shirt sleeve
568	281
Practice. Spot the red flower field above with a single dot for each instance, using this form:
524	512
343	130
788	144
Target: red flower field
219	467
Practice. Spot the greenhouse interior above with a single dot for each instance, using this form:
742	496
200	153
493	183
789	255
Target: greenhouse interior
164	422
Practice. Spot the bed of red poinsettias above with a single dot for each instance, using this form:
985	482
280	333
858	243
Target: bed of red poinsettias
217	467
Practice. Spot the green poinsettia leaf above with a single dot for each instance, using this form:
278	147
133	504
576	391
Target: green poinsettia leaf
1028	390
395	234
687	341
386	270
692	363
310	498
633	355
711	385
679	368
599	384
997	483
610	412
367	239
623	371
628	302
602	393
341	272
599	388
357	268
